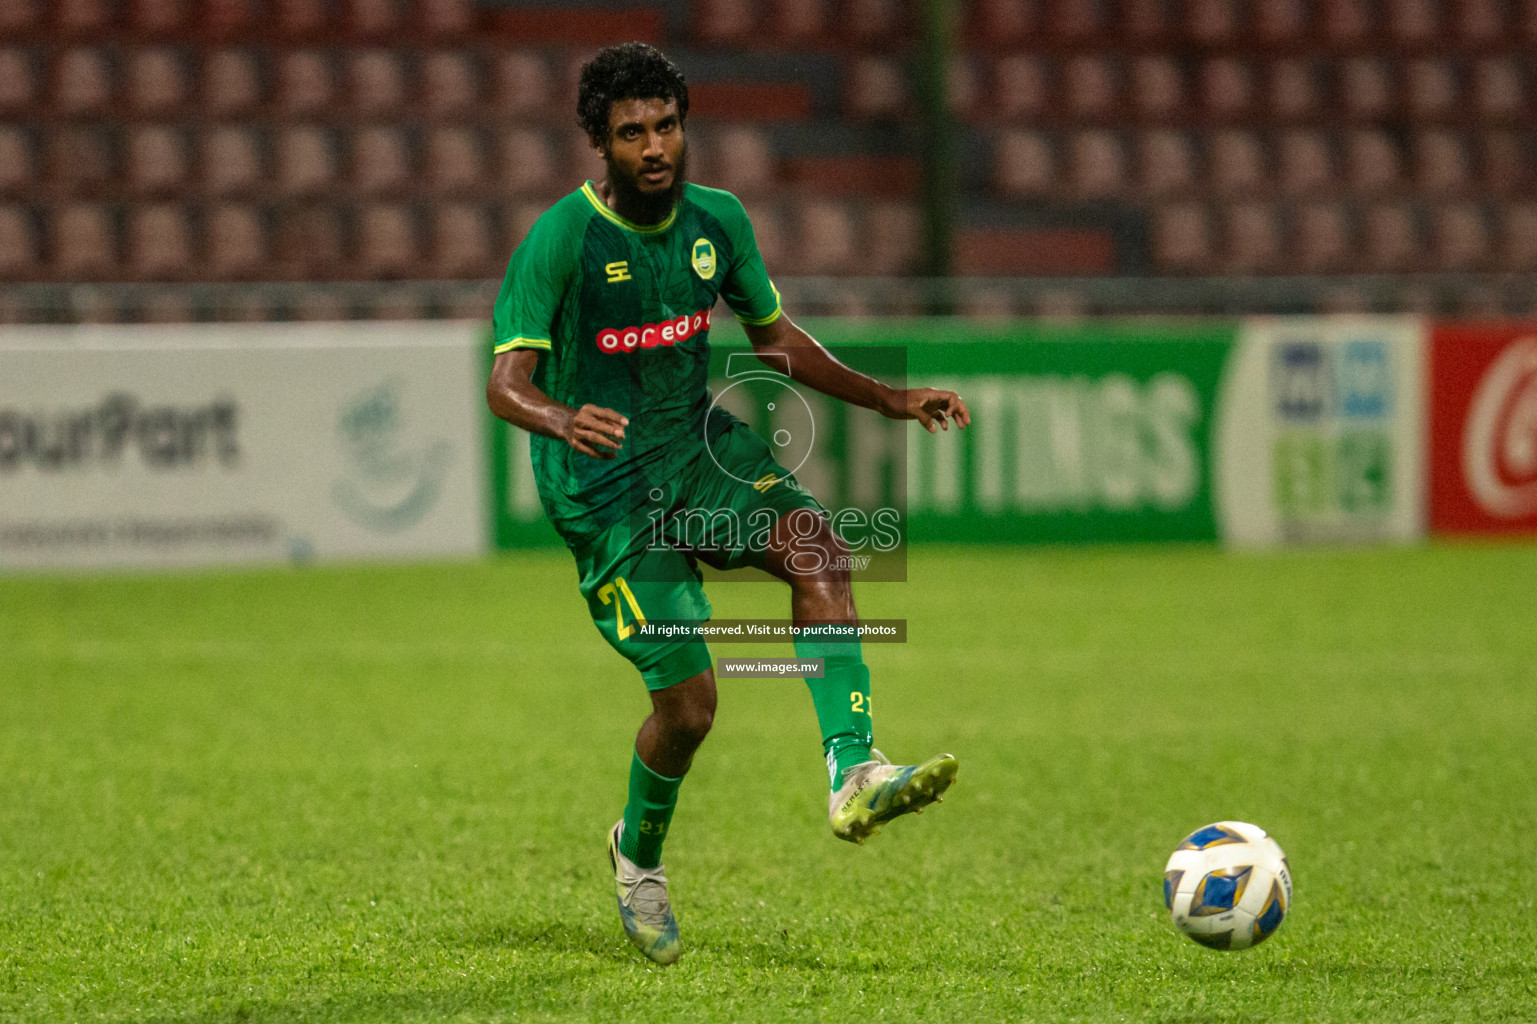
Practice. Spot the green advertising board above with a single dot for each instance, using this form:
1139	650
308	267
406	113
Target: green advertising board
1081	433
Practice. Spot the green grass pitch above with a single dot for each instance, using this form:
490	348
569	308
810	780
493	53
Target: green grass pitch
381	794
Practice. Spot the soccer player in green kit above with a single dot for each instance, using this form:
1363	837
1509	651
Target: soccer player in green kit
601	333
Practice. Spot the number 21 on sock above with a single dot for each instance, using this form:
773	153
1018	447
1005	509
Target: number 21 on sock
859	702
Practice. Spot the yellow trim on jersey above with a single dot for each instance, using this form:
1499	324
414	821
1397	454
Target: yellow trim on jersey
645	229
765	321
512	343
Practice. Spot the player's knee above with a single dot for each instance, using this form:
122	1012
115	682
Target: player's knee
691	723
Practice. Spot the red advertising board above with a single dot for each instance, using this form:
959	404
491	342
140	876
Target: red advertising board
1483	428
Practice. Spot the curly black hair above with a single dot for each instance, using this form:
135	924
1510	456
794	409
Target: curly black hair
626	71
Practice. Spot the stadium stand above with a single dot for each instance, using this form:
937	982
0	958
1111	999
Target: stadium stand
247	140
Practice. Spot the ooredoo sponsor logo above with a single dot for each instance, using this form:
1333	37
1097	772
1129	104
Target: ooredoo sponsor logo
666	333
1499	440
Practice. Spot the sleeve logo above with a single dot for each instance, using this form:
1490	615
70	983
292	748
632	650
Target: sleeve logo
668	333
704	259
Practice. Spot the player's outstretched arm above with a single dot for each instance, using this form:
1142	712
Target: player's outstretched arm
591	430
782	344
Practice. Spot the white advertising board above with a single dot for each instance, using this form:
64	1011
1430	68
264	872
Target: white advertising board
201	444
1320	437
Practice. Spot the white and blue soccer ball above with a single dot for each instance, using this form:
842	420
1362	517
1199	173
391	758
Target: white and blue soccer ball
1228	885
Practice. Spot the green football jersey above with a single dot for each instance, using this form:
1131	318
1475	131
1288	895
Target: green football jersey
620	313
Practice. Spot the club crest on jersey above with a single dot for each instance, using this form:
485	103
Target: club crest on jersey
667	333
704	259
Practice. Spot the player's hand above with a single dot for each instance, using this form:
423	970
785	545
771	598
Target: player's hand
933	408
596	431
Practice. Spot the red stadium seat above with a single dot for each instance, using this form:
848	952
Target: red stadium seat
1024	165
19	257
1157	87
235	242
159	17
82	160
744	160
1004	23
1251	238
1144	19
381	160
1390	238
1461	235
1366	91
800	21
1322	238
524	89
1372	161
769	228
301	19
1182	238
1280	21
1211	22
377	82
82	81
1414	22
1480	21
527	163
159	243
450	83
309	242
84	243
1306	162
1097	163
17	160
827	239
1236	163
892	233
876	87
306	160
461	242
1440	162
373	19
83	17
1505	161
1021	87
724	21
1518	236
387	244
1293	89
1227	87
157	81
446	18
1075	19
1500	90
157	160
18	81
1346	21
232	82
1431	90
455	161
228	19
963	88
1091	85
1166	164
304	82
17	17
872	21
232	160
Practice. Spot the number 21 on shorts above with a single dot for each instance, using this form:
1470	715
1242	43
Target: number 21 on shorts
608	595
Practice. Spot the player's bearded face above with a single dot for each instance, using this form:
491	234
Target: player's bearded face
647	158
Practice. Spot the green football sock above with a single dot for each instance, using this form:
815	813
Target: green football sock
842	699
648	814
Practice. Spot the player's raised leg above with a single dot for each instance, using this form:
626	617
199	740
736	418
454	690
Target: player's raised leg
679	721
867	790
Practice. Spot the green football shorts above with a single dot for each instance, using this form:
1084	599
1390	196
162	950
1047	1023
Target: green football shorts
719	509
